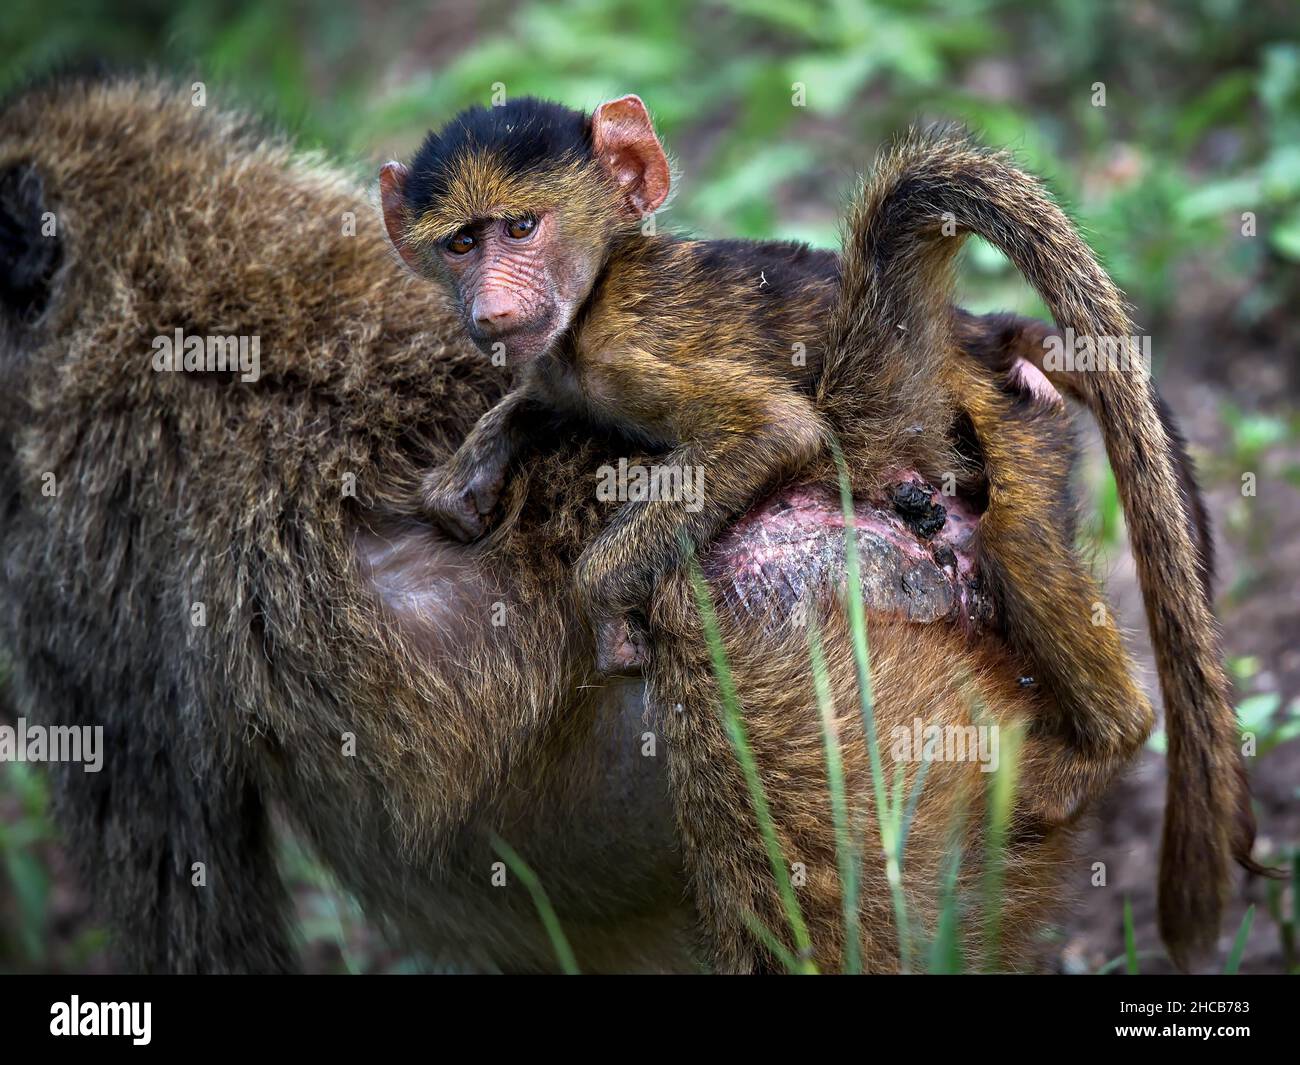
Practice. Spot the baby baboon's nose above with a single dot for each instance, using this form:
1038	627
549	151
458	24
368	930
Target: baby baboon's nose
495	311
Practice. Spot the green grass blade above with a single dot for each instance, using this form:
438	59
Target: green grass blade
945	948
1130	940
1001	801
550	921
858	625
1233	965
736	732
1123	959
913	799
846	855
885	821
764	935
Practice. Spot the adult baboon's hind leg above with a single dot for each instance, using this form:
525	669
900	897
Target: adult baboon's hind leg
172	838
919	670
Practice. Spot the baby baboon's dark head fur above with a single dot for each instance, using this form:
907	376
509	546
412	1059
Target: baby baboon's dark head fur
526	136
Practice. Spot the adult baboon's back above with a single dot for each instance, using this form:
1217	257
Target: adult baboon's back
222	577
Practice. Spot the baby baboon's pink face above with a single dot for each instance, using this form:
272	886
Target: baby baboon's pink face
516	282
519	275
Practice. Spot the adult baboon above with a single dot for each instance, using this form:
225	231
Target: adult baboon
220	573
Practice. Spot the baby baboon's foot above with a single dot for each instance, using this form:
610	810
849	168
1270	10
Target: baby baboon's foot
620	647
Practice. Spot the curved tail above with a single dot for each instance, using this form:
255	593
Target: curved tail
927	194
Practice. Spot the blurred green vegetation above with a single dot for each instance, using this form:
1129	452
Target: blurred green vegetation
1201	121
1200	126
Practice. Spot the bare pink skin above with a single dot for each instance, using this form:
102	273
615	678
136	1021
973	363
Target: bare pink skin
518	292
783	552
791	545
619	650
1030	378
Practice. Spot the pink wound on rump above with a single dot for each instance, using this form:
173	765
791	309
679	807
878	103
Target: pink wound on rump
915	551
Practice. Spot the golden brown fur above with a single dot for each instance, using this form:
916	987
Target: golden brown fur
686	346
891	339
329	614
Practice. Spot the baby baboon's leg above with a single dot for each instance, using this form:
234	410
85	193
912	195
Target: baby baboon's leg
1052	610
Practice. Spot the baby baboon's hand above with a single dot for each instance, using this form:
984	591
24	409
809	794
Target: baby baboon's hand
460	501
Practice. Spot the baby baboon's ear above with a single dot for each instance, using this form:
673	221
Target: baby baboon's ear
30	243
625	144
392	193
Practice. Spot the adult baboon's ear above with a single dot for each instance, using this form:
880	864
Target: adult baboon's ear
392	190
625	144
31	244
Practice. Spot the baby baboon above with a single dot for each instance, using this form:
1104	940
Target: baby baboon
217	568
530	215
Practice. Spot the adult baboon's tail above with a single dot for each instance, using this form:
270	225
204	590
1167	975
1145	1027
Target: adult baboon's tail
889	336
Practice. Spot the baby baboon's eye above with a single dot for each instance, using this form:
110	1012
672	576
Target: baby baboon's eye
519	228
460	243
